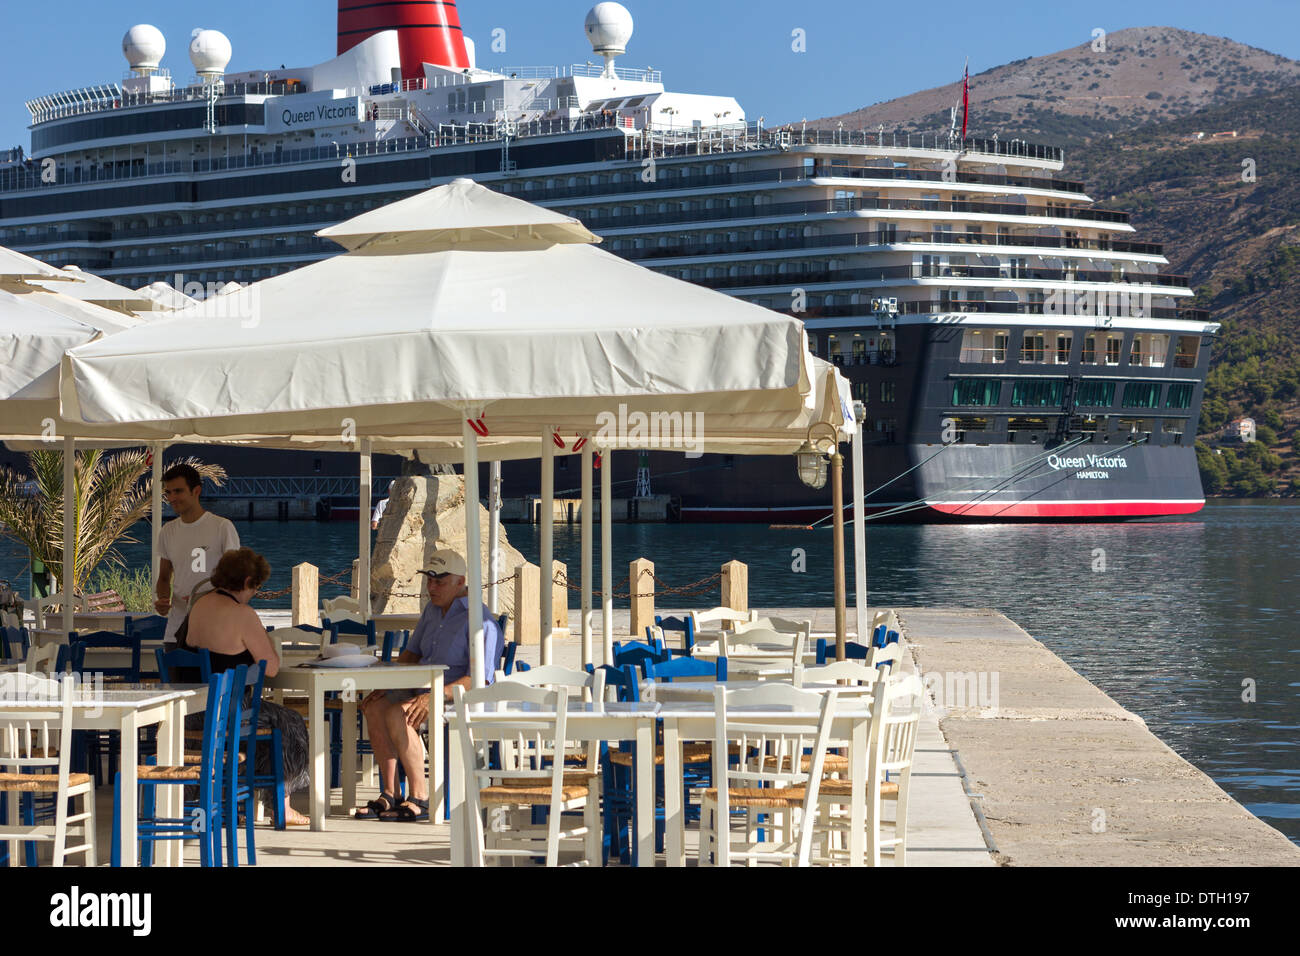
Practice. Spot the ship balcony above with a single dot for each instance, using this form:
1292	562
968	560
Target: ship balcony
895	274
738	243
933	307
732	210
597	185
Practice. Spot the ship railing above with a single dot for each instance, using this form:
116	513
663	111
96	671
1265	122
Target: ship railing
875	238
863	311
752	210
579	69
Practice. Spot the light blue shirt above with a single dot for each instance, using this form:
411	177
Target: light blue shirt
444	639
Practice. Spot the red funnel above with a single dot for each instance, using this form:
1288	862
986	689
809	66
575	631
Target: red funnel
427	31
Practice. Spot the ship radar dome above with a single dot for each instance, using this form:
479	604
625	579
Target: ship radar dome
144	46
609	27
210	53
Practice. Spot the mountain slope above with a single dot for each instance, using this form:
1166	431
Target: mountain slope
1145	75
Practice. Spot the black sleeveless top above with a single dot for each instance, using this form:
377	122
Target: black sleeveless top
220	662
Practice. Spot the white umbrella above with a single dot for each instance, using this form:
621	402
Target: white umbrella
455	306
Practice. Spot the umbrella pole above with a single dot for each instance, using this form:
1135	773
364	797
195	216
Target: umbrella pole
363	532
837	477
859	534
586	556
606	555
473	559
547	560
69	527
494	535
156	517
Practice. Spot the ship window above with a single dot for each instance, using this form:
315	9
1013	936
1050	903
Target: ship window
1142	395
1188	347
1149	350
1095	394
1114	343
1180	395
887	392
861	392
1035	393
976	391
1089	356
1033	347
985	346
1064	342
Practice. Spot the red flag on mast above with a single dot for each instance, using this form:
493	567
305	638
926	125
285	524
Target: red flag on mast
965	98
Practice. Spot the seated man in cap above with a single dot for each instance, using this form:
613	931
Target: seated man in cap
394	716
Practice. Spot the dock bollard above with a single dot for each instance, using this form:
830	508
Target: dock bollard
641	591
735	587
306	594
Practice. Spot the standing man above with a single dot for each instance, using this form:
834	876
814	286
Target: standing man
189	548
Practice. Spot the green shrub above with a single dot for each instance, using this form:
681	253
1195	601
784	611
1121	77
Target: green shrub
134	587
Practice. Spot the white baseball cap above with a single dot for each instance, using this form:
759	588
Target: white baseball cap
445	561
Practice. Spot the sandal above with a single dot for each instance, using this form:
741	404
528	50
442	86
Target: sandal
374	810
412	811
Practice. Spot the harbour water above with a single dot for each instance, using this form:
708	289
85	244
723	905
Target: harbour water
1190	623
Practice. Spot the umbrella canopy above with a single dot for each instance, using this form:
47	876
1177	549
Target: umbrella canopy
16	268
166	298
460	212
410	334
91	288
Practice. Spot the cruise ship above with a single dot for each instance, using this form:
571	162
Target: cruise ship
1020	353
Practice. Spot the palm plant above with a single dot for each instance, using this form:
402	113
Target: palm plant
111	494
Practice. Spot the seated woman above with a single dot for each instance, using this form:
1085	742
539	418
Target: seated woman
223	622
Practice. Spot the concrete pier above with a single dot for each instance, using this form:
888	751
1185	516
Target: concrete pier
1068	776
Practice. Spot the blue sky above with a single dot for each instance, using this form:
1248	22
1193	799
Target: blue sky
858	51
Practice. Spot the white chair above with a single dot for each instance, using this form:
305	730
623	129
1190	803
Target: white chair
890	654
524	741
781	625
770	778
295	635
39	739
896	714
722	617
762	654
342	609
39	606
551	676
858	682
42	659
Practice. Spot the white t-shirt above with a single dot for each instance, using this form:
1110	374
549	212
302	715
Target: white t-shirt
193	550
379	510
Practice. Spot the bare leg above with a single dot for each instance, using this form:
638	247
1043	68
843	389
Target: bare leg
409	749
378	715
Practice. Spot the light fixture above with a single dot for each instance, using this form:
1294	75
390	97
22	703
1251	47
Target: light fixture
812	465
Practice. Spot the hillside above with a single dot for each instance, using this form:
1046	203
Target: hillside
1239	242
1237	237
1145	75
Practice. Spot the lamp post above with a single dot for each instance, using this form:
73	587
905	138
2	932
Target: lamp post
811	459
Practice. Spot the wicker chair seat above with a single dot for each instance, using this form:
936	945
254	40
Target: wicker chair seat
39	782
533	790
691	753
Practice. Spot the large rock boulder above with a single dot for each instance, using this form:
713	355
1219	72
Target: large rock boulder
425	514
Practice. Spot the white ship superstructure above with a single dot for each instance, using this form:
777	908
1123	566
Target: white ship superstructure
936	269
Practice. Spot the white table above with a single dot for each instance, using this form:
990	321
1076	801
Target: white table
585	722
353	683
127	708
687	719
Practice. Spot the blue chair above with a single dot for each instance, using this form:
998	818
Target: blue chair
152	627
394	641
891	638
852	651
170	661
107	640
203	819
638	654
880	635
97	741
667	670
683	624
14	643
243	792
352	627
